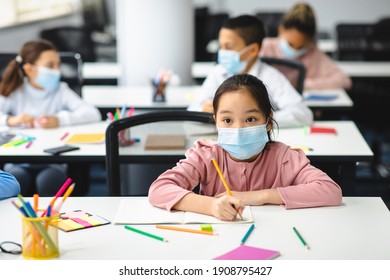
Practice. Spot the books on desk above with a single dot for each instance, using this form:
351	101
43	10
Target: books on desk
165	142
142	212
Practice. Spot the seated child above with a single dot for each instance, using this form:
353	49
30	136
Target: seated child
258	170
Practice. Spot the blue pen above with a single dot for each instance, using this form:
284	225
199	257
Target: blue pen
247	234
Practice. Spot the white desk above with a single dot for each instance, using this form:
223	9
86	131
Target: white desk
200	70
101	70
365	68
341	102
336	155
357	230
180	97
141	97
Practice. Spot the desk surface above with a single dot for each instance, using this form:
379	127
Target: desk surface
180	97
358	229
351	68
347	145
113	70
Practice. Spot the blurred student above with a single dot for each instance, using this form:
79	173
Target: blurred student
9	186
258	170
297	41
240	41
31	95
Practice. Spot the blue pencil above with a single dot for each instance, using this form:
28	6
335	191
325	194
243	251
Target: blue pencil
247	234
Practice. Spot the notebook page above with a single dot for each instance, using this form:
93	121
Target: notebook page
134	211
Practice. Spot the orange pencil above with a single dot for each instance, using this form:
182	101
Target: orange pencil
229	192
186	230
36	197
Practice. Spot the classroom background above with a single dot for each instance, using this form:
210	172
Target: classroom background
131	41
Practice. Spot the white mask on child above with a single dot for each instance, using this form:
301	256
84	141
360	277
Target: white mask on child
288	51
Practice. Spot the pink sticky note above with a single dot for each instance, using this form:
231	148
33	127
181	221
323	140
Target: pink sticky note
244	252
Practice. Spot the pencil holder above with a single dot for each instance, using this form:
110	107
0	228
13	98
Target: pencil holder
40	237
158	93
124	138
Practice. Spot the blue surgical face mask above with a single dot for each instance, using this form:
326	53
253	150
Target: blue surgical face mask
47	78
288	51
230	60
243	143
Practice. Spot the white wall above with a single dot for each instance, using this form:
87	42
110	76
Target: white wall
152	35
328	12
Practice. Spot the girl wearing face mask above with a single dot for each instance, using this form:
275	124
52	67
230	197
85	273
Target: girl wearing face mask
258	170
296	40
31	95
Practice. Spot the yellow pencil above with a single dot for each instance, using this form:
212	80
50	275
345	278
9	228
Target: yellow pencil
229	192
185	230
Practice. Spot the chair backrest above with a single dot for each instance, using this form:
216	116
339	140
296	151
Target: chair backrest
112	145
271	21
72	39
71	68
352	40
294	70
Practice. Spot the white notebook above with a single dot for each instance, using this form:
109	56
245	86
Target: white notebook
140	211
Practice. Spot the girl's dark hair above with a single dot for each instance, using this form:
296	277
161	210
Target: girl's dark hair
301	16
249	28
13	75
254	86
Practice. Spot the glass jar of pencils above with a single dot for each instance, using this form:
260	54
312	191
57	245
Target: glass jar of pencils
159	91
40	237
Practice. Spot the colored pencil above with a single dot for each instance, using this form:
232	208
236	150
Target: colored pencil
301	238
64	136
146	234
29	144
229	192
185	230
247	234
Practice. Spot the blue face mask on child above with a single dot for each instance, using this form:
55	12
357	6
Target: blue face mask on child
288	51
243	143
47	78
230	60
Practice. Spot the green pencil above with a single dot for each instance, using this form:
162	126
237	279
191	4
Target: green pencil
146	234
301	238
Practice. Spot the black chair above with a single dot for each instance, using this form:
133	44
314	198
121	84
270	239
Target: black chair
294	70
352	41
72	39
271	21
71	68
113	159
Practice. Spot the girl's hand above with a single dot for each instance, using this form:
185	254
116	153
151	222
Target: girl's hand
22	119
47	121
227	207
260	197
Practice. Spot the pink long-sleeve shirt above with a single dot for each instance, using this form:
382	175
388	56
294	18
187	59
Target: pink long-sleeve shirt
321	71
277	167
